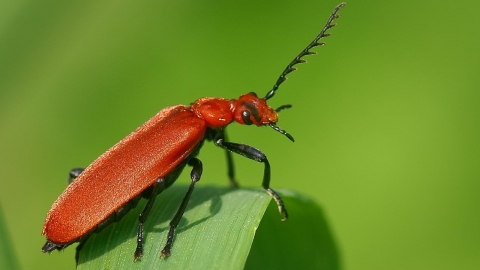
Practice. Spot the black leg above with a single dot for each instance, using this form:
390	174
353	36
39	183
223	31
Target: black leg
195	176
230	167
158	187
257	155
74	173
50	246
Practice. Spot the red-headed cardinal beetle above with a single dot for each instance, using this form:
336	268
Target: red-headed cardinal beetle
150	159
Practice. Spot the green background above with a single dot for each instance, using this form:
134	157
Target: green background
385	117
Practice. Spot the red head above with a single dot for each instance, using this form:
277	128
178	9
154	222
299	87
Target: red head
251	110
248	109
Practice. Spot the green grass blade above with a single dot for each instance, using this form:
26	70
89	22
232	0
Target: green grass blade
216	232
8	260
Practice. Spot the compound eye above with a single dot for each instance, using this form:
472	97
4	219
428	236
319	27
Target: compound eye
246	118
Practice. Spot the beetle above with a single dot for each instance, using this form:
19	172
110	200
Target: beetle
150	159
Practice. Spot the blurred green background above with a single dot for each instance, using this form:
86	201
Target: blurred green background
385	117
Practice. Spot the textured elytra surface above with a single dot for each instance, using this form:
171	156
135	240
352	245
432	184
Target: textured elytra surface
123	172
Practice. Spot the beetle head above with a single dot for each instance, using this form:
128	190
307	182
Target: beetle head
249	109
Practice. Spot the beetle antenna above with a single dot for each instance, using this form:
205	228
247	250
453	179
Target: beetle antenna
306	51
282	132
283	107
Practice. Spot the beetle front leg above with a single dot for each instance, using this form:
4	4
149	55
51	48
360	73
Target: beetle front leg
195	176
257	155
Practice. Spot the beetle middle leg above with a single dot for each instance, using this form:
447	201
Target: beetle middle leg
257	155
230	166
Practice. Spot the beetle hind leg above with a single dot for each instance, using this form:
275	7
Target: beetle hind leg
195	176
158	187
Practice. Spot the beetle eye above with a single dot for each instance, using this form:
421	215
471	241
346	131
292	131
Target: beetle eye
246	118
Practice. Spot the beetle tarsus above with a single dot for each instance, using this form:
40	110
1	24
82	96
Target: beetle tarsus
139	250
166	253
168	246
279	201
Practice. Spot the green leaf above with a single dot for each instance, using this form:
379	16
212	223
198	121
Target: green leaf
8	260
217	232
304	241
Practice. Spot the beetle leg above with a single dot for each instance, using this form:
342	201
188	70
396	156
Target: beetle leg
50	246
195	176
257	155
74	173
158	187
230	167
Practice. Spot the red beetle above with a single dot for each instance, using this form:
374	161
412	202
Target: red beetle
150	159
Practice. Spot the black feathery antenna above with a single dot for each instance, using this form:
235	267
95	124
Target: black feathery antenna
306	51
